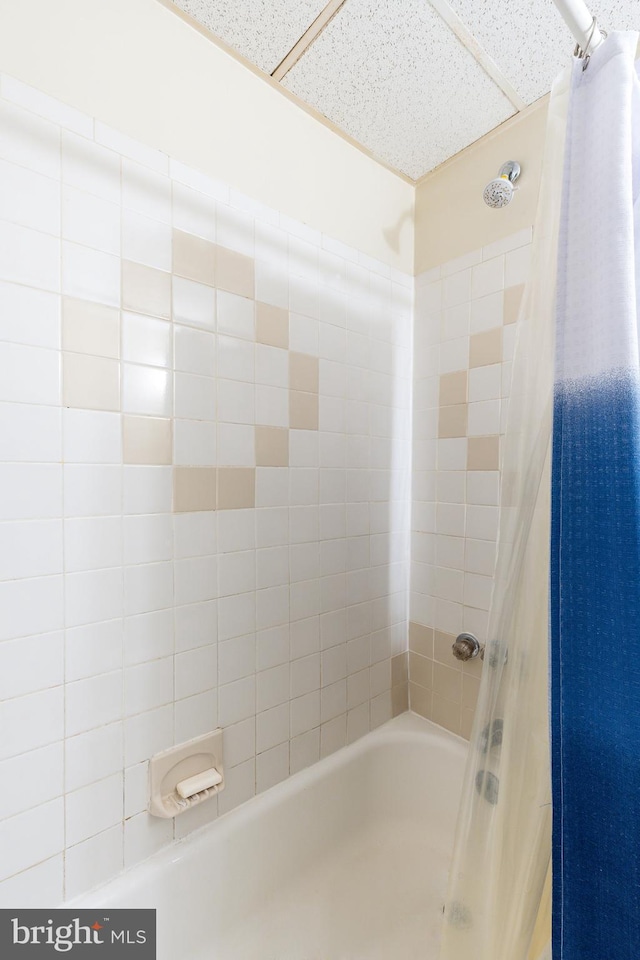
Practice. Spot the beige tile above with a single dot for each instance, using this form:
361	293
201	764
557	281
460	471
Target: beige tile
92	383
236	488
453	387
234	272
512	301
303	372
399	699
452	421
272	447
90	328
193	257
272	325
146	290
146	440
421	639
446	714
442	643
303	410
485	347
473	668
470	690
421	670
466	723
483	453
447	682
399	669
194	488
420	700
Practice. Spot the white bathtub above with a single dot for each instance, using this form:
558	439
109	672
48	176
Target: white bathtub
344	861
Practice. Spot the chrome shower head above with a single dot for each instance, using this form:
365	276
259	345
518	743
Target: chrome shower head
499	192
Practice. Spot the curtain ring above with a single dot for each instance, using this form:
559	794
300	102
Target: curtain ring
584	55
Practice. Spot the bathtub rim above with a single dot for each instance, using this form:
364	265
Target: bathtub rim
406	728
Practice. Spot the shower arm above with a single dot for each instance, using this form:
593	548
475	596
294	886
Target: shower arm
582	24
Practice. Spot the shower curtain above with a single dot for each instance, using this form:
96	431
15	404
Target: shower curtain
595	545
568	568
502	853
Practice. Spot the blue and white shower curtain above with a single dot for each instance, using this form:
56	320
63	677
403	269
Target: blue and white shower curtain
595	520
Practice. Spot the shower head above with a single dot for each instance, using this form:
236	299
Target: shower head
499	192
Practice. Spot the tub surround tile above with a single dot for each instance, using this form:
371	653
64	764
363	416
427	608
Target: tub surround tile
399	700
272	325
208	565
272	447
90	328
303	372
446	713
303	410
236	488
194	489
452	421
421	670
91	383
421	639
193	258
146	290
146	440
483	453
485	348
512	302
234	272
420	700
453	388
465	316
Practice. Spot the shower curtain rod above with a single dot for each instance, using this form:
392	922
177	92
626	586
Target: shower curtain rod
580	21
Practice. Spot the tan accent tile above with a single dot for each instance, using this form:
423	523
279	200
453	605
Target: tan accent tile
473	668
470	691
485	347
452	421
453	387
91	383
303	410
483	453
193	257
446	714
90	328
234	272
421	670
304	372
420	700
466	724
272	325
272	447
194	488
447	682
236	487
442	643
512	301
399	669
146	290
399	699
146	440
421	639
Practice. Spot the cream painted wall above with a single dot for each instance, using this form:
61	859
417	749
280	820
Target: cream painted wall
138	67
451	216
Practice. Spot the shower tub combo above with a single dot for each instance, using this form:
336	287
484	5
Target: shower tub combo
346	860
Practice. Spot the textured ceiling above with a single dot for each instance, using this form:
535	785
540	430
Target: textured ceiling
399	97
392	73
261	30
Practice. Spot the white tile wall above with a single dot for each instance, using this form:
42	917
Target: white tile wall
454	509
123	627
